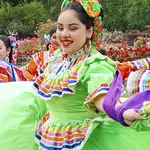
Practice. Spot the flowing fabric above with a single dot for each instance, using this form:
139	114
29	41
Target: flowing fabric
10	73
20	111
68	86
32	70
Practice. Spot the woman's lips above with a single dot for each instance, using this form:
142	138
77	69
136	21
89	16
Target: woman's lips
66	43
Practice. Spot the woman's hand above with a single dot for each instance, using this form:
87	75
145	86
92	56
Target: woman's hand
98	101
130	116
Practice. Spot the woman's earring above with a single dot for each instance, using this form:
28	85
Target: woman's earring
87	45
6	58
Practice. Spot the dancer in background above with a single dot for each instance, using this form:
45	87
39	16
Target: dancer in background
8	71
32	69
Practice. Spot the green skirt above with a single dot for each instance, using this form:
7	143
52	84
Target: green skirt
111	135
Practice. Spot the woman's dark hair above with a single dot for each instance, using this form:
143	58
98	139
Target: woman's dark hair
6	41
81	13
51	32
53	29
102	51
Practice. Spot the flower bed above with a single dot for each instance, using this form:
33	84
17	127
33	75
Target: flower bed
122	52
26	48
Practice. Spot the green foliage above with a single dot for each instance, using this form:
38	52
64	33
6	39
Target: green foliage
29	15
126	14
115	15
53	8
43	28
138	14
24	17
5	9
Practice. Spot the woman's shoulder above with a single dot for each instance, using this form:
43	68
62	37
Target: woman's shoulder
97	58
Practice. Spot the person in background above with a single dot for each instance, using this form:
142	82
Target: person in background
8	71
32	70
5	48
13	52
50	39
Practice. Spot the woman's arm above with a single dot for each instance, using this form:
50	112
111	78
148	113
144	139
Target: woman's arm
129	115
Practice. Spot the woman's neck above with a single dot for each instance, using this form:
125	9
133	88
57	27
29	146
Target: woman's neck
86	49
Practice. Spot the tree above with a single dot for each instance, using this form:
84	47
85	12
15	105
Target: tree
115	15
24	17
53	8
126	14
5	9
138	14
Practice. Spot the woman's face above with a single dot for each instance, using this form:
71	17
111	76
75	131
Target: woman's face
3	50
71	32
54	41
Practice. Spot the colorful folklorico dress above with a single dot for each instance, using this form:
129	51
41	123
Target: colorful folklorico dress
9	72
32	70
137	75
138	81
68	85
127	67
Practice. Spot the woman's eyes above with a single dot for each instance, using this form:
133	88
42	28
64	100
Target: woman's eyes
73	28
60	28
54	36
70	28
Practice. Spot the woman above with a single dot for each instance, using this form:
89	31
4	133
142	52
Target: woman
5	48
50	39
32	69
8	72
74	86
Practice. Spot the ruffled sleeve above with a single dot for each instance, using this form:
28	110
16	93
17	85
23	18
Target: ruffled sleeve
31	69
127	67
99	75
9	72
